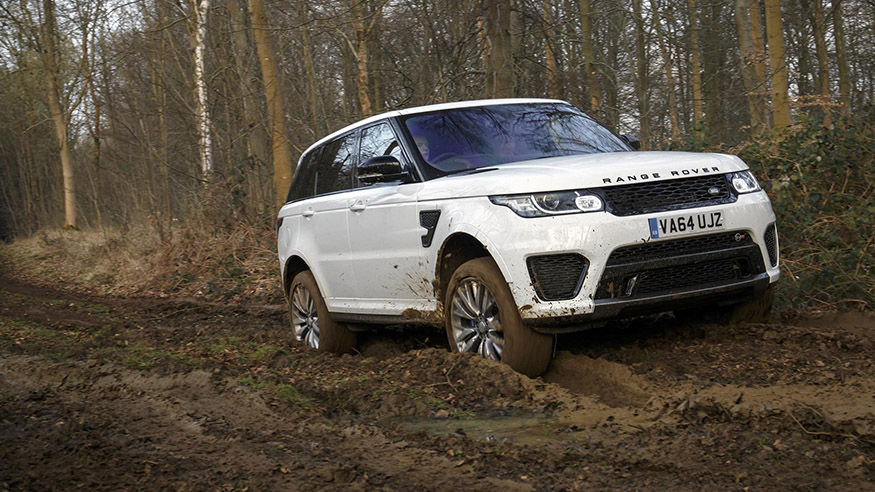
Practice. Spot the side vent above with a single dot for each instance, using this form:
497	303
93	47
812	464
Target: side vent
771	240
429	220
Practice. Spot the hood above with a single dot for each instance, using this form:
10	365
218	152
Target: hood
580	172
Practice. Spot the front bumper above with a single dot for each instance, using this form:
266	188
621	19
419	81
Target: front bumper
596	235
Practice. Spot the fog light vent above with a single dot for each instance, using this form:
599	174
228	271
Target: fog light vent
557	277
771	239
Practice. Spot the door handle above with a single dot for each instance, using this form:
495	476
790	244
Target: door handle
308	213
358	206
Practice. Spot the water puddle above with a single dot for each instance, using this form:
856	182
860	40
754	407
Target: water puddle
515	429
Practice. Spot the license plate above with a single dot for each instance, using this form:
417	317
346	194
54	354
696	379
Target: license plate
685	224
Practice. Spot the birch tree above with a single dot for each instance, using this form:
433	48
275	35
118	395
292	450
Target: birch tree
197	22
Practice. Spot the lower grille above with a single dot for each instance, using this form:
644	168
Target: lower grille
557	277
696	274
771	240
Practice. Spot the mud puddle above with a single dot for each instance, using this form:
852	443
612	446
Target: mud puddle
517	430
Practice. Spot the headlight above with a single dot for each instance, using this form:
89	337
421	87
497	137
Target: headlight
744	182
546	204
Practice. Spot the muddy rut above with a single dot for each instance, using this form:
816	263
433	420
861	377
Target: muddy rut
181	394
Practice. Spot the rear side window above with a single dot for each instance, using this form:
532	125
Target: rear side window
334	172
304	183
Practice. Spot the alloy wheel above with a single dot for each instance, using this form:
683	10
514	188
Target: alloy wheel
304	317
475	322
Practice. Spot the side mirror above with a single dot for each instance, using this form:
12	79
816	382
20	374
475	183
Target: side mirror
381	169
632	141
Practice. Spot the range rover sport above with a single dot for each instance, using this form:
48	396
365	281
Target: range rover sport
507	221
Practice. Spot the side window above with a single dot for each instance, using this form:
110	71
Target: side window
334	172
379	140
304	184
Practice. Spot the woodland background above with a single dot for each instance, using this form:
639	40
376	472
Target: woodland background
159	126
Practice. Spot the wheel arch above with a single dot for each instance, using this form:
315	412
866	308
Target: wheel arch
294	265
456	249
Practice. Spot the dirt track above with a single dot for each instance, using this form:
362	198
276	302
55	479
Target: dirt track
156	394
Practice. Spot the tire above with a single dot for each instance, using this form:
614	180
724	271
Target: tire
480	315
756	310
310	321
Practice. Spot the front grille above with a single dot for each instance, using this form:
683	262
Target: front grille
771	240
674	194
677	247
557	277
695	274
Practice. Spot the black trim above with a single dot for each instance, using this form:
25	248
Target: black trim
382	319
428	219
614	282
605	309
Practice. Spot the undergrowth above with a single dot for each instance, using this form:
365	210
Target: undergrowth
821	185
237	264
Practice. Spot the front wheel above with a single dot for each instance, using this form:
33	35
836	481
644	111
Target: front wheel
311	322
481	316
756	310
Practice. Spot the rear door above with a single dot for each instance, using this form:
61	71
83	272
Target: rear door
324	233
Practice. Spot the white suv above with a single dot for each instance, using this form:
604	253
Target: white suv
508	221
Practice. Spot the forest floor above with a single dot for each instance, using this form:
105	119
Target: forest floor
180	394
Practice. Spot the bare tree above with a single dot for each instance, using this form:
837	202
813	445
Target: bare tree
498	52
283	166
60	116
777	64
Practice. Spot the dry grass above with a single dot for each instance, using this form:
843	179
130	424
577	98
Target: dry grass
236	265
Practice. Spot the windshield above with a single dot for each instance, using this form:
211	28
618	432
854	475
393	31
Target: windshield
471	138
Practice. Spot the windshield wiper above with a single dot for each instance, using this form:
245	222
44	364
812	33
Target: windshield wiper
458	172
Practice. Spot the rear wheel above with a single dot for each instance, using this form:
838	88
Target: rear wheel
311	323
481	316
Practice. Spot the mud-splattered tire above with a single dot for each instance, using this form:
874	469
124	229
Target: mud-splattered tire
310	321
481	316
756	310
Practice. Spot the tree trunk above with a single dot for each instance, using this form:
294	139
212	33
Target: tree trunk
669	73
842	59
158	54
283	167
256	137
197	33
696	66
822	63
360	52
550	54
759	48
748	69
711	53
778	65
592	81
641	75
498	49
59	116
316	120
